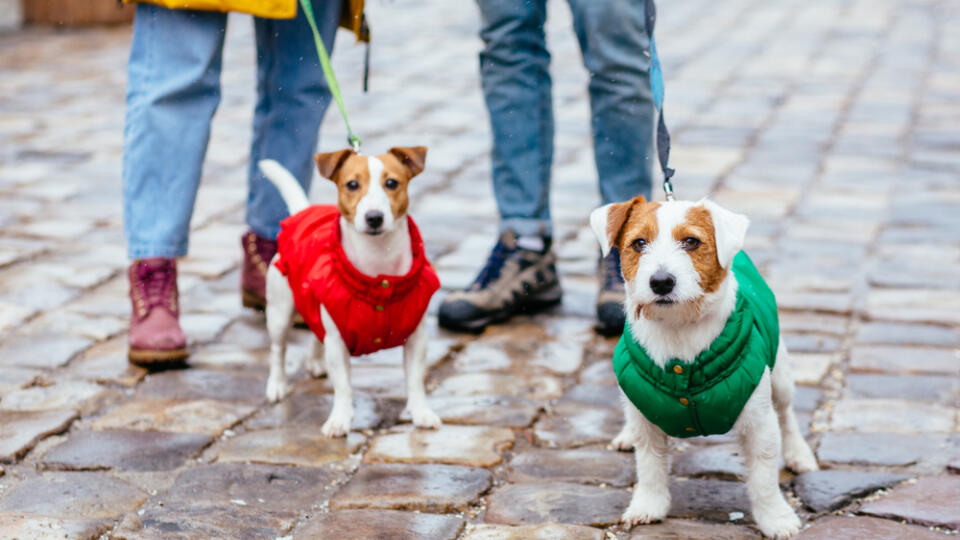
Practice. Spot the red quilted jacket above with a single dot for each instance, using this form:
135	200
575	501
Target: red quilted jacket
371	313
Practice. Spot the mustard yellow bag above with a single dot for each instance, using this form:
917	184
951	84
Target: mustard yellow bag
270	9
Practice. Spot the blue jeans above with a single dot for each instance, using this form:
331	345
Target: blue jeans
173	89
516	84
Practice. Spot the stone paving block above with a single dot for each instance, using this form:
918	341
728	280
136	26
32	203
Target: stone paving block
810	343
84	396
472	384
313	409
914	305
712	500
903	360
183	416
907	334
806	398
253	487
585	466
203	384
495	410
41	351
379	524
556	502
20	431
18	526
716	460
549	531
931	501
290	446
233	521
15	378
810	368
837	527
106	363
73	495
891	415
570	425
424	488
607	395
828	490
820	323
892	449
599	372
475	446
125	450
685	529
908	387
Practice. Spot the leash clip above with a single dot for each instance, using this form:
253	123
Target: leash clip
354	142
668	185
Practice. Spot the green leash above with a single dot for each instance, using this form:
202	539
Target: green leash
352	138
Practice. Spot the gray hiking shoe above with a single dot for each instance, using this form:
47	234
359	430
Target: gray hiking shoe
515	280
610	315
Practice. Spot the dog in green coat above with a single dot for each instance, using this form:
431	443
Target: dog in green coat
701	352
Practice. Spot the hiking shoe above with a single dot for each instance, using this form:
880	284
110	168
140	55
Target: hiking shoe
155	336
610	297
257	254
515	280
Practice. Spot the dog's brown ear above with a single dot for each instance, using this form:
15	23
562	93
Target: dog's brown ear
329	162
607	222
413	158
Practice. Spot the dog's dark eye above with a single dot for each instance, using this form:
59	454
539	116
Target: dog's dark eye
391	183
638	244
690	243
353	185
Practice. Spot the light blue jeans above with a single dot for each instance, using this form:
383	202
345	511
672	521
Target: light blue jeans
516	84
173	89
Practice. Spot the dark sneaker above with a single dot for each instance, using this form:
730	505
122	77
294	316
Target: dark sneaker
515	280
155	336
610	297
257	254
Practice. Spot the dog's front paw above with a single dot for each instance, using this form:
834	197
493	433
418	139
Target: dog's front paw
778	524
337	425
624	441
276	388
646	508
423	417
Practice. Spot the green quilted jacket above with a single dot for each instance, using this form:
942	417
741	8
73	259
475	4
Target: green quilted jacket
705	397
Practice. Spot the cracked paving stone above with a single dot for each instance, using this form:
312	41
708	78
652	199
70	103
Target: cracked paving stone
253	486
84	396
424	488
125	450
41	351
548	531
45	528
107	363
15	378
290	445
203	384
475	446
586	466
83	495
313	410
380	524
231	521
903	360
492	410
712	500
932	501
685	529
472	384
909	387
556	502
719	460
891	415
828	490
867	528
197	416
892	449
571	425
22	430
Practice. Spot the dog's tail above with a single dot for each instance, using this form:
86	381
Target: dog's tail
286	184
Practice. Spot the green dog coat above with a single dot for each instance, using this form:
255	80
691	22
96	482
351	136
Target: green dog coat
705	397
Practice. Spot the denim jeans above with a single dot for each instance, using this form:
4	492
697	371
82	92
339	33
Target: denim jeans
516	84
173	89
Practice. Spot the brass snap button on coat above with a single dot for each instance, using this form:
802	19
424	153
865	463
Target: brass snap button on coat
378	308
384	284
678	369
684	401
377	340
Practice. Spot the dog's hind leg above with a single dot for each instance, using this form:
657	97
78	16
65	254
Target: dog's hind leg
279	312
315	363
651	495
415	367
796	452
760	438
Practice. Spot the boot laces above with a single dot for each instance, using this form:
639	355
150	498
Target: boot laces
155	283
491	270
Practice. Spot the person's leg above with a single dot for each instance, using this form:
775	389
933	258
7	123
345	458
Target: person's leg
520	275
292	97
173	89
514	71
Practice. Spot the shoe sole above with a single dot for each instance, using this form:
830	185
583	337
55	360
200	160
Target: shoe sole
477	326
255	301
153	358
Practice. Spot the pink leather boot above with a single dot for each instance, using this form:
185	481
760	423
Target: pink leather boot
155	334
257	254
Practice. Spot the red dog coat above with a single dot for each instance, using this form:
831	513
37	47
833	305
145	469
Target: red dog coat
371	313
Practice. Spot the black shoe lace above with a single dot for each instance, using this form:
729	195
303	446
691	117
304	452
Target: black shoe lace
491	270
612	276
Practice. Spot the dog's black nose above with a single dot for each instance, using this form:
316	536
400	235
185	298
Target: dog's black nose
374	219
662	282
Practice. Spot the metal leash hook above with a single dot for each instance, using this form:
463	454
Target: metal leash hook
354	142
668	190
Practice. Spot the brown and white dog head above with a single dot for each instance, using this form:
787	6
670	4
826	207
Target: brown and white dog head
673	254
372	190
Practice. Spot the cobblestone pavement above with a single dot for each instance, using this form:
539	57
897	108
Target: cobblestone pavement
833	124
